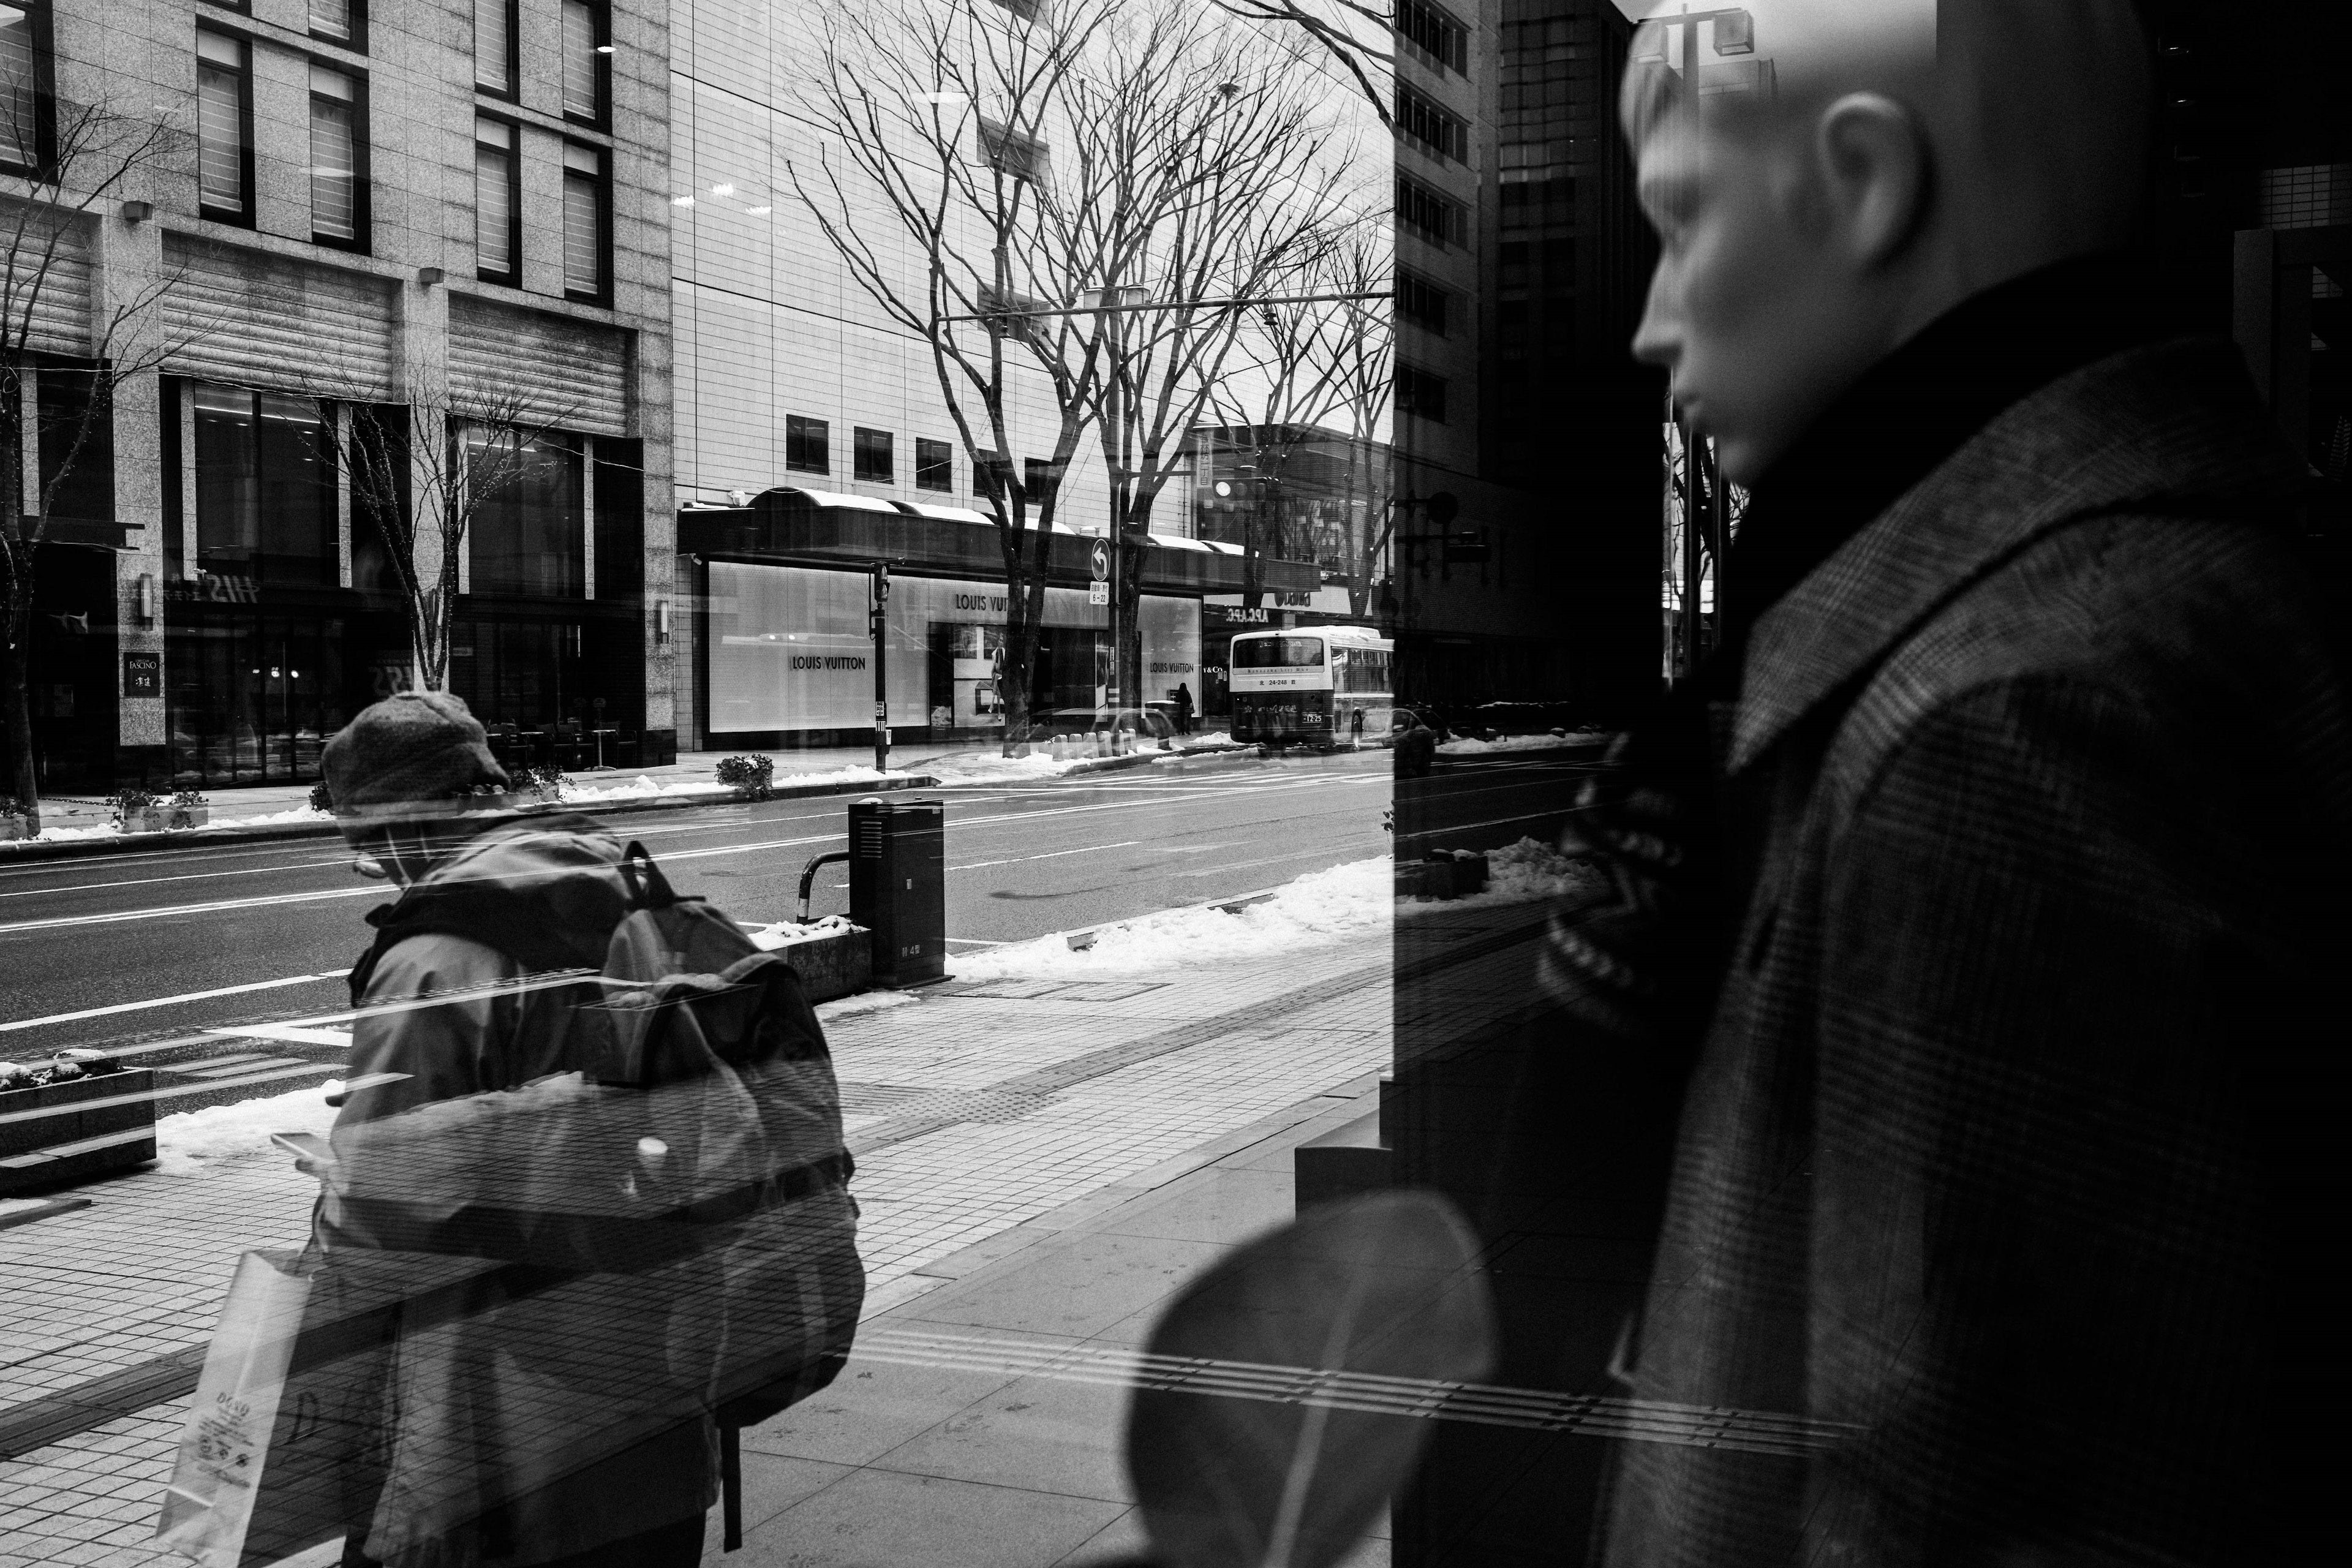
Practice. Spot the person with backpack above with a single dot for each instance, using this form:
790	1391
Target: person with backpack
597	1132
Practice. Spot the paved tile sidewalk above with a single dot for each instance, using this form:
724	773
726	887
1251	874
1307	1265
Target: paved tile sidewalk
974	1114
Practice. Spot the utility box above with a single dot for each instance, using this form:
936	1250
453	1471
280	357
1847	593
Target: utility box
897	887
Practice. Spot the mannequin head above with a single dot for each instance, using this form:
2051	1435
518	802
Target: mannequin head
1870	166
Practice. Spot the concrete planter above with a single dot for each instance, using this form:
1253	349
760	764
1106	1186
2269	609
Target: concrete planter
74	1134
150	820
188	815
837	964
14	826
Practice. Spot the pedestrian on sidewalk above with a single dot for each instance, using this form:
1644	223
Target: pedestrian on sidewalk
559	1407
2001	1159
1183	709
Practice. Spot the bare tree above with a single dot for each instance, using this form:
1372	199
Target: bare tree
946	116
1317	376
1229	172
69	169
1354	37
424	471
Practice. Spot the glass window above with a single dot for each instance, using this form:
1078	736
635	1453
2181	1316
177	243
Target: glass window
265	488
224	153
331	20
583	66
529	532
334	156
583	221
22	66
934	465
871	455
1014	153
497	244
806	445
1276	653
494	45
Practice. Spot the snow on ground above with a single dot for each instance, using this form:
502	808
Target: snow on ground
1315	910
190	1142
1464	747
1524	873
775	934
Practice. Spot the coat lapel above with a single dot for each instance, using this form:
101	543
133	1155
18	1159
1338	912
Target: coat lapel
2172	422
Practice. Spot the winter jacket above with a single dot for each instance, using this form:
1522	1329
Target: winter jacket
528	1413
2003	1143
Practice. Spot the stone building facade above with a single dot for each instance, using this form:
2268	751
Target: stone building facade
434	207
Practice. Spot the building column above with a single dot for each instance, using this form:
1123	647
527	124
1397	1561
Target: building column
129	258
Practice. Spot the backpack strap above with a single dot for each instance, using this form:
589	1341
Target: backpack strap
514	921
648	889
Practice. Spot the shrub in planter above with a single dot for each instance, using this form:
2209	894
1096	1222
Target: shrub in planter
136	811
188	809
320	798
754	778
546	784
15	822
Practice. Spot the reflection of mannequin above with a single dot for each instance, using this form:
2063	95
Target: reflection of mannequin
1993	1158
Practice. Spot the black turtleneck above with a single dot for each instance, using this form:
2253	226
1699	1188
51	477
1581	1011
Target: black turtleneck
1916	407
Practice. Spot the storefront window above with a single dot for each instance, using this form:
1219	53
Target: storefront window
528	533
251	697
265	488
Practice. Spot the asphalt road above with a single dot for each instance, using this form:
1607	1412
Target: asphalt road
220	964
167	942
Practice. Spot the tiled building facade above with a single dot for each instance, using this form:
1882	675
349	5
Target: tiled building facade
425	205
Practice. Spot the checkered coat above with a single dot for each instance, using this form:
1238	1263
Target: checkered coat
1991	1165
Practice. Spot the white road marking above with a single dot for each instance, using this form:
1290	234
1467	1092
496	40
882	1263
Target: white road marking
1049	855
293	1034
168	1001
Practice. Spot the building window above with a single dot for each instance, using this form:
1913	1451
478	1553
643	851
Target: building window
585	243
498	230
529	530
584	61
870	455
338	190
1421	393
1025	9
24	130
1420	121
335	19
934	465
807	448
224	128
1015	153
1425	213
265	488
1432	32
1421	302
1038	476
494	45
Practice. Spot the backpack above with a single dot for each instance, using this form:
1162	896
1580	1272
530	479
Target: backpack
693	1133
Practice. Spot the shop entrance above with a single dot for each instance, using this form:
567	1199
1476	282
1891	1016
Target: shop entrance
251	698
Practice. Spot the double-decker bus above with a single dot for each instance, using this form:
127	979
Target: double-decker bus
1307	686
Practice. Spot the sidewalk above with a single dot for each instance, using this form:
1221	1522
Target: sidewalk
283	811
1038	1161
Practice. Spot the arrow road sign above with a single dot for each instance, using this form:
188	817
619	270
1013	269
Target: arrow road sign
1100	557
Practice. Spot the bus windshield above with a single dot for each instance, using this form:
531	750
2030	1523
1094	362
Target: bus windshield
1269	653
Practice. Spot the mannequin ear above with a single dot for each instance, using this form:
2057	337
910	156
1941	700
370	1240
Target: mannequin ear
1875	173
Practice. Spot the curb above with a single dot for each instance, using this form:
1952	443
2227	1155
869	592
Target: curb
1146	759
19	851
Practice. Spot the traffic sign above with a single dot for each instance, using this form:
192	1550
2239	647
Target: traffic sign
1098	592
1100	558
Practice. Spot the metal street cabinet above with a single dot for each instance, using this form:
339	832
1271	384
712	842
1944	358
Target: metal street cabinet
897	887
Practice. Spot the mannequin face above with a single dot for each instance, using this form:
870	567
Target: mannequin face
1760	309
1870	166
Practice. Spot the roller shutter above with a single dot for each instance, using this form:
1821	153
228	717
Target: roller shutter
580	370
255	319
60	302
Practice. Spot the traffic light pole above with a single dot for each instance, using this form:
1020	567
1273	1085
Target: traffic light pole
881	621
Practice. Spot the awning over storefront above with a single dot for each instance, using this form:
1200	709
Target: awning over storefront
829	528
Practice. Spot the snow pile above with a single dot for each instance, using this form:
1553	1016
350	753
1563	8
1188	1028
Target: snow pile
1464	747
1528	871
1316	911
645	787
768	938
191	1142
990	767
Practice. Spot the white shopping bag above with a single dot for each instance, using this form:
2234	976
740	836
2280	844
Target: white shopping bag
209	1504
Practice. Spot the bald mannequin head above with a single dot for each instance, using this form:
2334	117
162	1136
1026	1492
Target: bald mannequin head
1869	165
